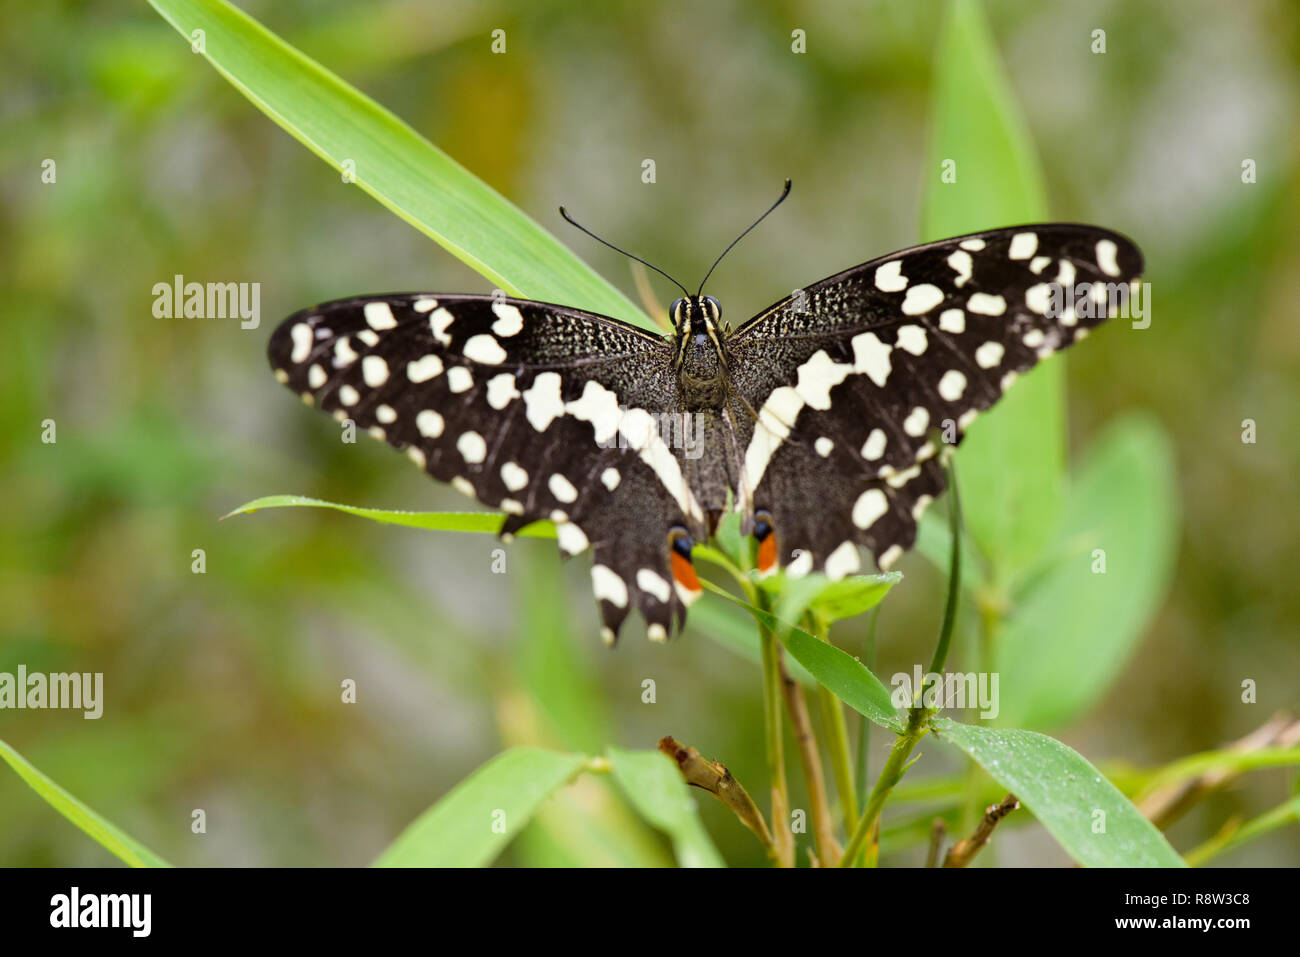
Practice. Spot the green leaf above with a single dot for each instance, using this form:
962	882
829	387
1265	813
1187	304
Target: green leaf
828	600
471	825
393	163
845	676
654	785
488	523
108	835
1012	462
558	675
1067	794
1074	629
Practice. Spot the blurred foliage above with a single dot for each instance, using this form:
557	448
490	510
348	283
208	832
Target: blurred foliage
223	689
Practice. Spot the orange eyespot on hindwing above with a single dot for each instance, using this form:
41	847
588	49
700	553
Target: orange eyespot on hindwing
685	580
766	536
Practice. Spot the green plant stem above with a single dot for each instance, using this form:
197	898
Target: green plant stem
864	725
1234	833
837	744
828	852
918	718
772	704
940	657
895	766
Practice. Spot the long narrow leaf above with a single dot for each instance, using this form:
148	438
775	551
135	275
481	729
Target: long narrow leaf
471	825
392	162
655	787
107	834
1096	824
488	523
1012	463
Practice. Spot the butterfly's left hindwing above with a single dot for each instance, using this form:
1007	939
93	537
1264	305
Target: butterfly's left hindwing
537	410
857	380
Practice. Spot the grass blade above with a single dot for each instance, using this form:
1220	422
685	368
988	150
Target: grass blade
108	835
655	787
487	523
474	822
392	162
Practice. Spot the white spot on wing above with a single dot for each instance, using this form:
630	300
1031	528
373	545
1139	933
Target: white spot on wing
425	305
562	488
344	354
485	349
818	376
439	321
302	340
890	278
607	586
424	369
652	583
379	315
952	385
472	447
870	505
1107	257
962	265
824	446
921	299
429	424
974	245
610	478
501	389
571	538
842	562
912	339
542	402
349	395
510	321
952	321
1038	298
989	354
986	305
1023	245
513	476
459	379
917	422
871	356
316	377
374	370
599	406
386	414
874	447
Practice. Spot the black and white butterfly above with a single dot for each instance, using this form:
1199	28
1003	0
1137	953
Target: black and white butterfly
815	419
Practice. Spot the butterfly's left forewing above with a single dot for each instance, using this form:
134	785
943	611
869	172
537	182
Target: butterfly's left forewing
541	411
852	377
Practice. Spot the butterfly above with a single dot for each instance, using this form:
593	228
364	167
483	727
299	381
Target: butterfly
823	420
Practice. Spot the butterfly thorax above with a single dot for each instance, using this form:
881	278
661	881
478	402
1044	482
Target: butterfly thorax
699	351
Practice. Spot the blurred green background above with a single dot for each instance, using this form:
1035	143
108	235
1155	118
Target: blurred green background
223	689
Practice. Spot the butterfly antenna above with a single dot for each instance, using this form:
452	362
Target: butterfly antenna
784	193
573	222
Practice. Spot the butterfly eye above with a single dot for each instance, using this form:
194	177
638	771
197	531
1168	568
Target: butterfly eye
717	306
674	311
